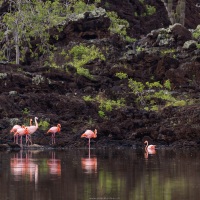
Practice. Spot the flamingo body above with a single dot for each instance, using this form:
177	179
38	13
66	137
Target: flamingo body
149	147
53	130
13	130
31	129
21	131
89	134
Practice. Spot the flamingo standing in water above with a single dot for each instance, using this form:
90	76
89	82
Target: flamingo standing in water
13	130
89	134
149	147
31	129
21	131
53	130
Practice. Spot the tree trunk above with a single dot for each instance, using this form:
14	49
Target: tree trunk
17	47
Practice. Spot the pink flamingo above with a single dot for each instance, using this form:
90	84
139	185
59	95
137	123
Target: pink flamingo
53	130
89	134
21	131
31	129
13	130
149	147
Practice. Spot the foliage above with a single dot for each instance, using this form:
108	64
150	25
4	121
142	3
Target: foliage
81	7
121	75
43	124
167	51
81	55
198	46
106	105
196	32
28	20
101	114
25	111
119	26
152	95
88	98
150	9
139	49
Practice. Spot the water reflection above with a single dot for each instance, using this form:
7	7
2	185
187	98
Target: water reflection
100	174
54	165
148	152
24	167
89	165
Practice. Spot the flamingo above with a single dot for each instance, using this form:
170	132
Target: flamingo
31	129
13	130
89	134
149	147
53	130
21	131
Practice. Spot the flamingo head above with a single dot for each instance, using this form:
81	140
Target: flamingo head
146	142
23	126
26	131
83	135
59	125
95	133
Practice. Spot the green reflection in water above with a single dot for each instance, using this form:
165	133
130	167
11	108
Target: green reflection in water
153	187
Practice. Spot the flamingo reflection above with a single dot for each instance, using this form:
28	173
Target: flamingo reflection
89	165
149	152
54	165
23	167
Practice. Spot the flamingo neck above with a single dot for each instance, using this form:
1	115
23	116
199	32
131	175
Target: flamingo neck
147	145
58	128
36	123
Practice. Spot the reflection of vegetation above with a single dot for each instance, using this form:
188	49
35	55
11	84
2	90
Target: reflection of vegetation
153	189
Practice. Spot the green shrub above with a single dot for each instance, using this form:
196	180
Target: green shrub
88	98
151	95
121	75
150	9
81	7
81	55
101	114
43	125
196	32
118	25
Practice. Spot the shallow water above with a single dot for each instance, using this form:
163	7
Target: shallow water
102	174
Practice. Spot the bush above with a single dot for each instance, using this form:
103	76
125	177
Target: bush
81	55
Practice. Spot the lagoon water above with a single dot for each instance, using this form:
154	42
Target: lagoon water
125	174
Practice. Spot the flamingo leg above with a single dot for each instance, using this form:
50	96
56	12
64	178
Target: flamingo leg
21	141
52	138
16	140
89	143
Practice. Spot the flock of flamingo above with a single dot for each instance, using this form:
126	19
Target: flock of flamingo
27	131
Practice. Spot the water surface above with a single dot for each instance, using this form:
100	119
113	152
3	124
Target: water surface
102	174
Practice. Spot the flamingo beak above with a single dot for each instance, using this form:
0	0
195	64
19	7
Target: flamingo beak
83	135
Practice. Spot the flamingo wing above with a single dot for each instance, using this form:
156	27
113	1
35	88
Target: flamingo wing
14	128
53	129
